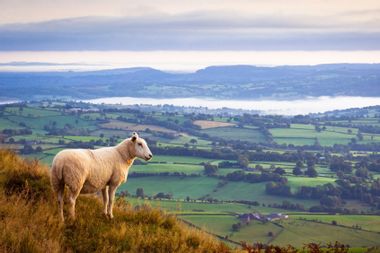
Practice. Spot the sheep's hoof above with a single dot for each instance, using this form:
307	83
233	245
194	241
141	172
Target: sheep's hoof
109	216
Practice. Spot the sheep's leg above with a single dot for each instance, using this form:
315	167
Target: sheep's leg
105	199
111	194
60	203
72	199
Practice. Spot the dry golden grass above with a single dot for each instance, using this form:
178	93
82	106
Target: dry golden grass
205	124
29	220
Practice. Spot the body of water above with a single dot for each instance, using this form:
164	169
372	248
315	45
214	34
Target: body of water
265	106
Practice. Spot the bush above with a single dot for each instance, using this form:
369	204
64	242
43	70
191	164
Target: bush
27	177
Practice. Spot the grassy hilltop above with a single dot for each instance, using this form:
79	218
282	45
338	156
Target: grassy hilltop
29	220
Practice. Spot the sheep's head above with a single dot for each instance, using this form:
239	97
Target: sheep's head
141	147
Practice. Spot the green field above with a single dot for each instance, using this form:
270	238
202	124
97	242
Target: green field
366	222
301	134
235	133
297	232
194	187
296	182
159	168
253	192
301	232
200	208
180	159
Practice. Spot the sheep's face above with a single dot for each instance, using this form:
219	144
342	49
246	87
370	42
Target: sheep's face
141	147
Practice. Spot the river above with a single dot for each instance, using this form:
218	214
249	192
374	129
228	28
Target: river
265	106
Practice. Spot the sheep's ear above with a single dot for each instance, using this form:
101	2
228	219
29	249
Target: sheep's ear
134	136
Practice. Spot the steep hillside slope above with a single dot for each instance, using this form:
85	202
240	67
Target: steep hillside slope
29	220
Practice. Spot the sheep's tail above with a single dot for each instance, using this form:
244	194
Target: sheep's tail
56	177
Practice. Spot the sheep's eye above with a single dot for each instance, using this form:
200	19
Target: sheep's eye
140	144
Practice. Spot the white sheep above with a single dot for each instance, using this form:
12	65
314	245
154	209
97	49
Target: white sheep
89	171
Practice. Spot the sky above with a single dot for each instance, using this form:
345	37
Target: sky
198	28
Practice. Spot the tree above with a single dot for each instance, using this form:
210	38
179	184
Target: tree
339	164
310	163
330	201
280	189
259	167
311	172
210	169
193	141
300	164
243	161
317	143
236	227
297	171
279	171
27	149
360	136
362	172
140	193
38	149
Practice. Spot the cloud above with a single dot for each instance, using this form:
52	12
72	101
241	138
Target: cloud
193	31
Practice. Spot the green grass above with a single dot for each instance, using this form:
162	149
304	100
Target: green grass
266	164
60	121
296	182
366	222
253	192
216	224
183	139
82	138
225	171
256	231
47	159
194	187
235	133
179	207
159	168
53	151
31	112
301	232
109	133
7	124
302	134
180	159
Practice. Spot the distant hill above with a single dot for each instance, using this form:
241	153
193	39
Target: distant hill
230	82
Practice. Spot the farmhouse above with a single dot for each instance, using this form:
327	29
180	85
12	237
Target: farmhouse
247	217
276	216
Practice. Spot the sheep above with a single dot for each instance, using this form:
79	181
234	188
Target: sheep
89	171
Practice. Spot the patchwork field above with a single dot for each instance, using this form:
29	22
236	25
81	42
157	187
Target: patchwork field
300	134
211	204
205	124
235	133
120	125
